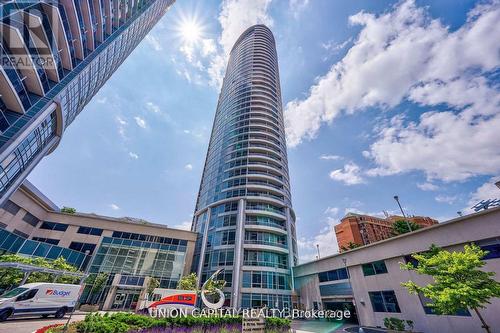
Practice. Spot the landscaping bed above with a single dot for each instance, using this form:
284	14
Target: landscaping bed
134	323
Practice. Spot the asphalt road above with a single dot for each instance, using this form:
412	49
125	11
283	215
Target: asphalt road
28	325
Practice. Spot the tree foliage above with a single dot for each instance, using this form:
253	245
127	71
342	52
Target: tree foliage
459	282
401	227
350	246
152	285
11	276
212	285
188	282
97	282
68	210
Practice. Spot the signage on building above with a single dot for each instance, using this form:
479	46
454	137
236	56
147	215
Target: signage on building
253	324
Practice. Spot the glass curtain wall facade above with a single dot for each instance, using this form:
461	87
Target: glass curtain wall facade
55	56
244	217
136	258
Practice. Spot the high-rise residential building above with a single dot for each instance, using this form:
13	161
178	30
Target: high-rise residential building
243	216
362	229
55	55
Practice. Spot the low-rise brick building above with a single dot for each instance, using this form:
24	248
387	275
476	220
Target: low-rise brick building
362	229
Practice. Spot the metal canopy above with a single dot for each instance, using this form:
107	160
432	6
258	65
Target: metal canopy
26	268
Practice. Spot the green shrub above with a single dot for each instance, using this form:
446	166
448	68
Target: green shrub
394	323
123	322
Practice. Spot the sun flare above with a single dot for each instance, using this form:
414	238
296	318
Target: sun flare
190	31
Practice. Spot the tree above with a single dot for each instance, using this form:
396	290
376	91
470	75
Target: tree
350	246
459	283
98	282
68	210
188	282
212	285
152	285
401	227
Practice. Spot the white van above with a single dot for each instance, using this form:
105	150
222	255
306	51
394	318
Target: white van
42	299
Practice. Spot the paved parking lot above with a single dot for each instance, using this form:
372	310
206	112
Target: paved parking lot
28	325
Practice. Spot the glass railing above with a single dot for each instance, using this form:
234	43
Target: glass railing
266	224
263	242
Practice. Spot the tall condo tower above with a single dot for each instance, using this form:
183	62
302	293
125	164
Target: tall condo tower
55	55
244	216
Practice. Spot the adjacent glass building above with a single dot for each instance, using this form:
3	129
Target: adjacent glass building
55	55
244	216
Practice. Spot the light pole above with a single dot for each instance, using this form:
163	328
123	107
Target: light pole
87	252
317	247
402	212
344	260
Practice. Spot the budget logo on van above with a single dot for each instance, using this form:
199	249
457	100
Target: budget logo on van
54	292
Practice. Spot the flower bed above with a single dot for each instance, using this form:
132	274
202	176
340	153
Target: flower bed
134	323
46	329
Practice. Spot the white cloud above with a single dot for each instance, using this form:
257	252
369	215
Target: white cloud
188	50
349	175
188	167
114	206
326	239
427	186
185	225
208	47
235	17
140	122
297	6
416	49
330	157
122	123
449	199
101	100
152	107
133	155
331	211
154	42
333	47
484	192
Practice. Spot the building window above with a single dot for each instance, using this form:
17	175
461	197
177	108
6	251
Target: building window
54	226
90	231
11	207
46	240
31	219
429	310
335	289
333	275
384	301
373	268
82	247
266	280
130	280
20	233
265	300
492	246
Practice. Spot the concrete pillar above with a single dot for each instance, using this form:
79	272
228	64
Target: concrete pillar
238	253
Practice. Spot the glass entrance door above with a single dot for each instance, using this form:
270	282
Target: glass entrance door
125	300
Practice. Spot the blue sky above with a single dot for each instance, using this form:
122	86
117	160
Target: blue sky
380	98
